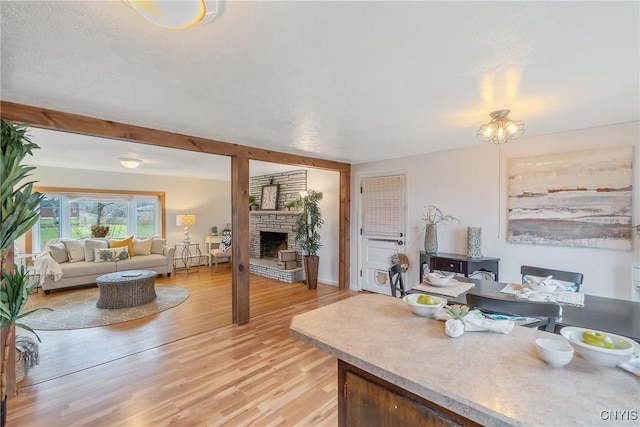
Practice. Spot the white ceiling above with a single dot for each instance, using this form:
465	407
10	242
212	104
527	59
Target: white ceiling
346	81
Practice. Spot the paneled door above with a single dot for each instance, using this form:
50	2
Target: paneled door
382	227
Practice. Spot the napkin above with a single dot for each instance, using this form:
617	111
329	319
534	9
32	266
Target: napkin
474	321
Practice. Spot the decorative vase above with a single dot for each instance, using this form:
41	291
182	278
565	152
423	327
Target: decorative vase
474	242
431	238
311	263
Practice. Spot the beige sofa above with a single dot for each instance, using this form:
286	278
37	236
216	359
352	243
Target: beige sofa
56	272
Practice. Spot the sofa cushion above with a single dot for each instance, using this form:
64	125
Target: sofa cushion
142	262
142	246
75	249
119	243
58	252
90	245
157	247
84	268
111	254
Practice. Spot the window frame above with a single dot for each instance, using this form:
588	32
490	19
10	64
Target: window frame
92	191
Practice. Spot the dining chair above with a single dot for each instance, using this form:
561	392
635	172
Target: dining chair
395	280
545	312
563	276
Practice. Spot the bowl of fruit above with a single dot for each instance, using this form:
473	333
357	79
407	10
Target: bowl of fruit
424	305
599	347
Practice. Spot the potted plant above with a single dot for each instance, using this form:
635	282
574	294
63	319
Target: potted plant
19	206
306	234
290	205
253	205
432	217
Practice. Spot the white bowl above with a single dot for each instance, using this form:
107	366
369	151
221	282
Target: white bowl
555	352
540	285
624	347
438	279
424	310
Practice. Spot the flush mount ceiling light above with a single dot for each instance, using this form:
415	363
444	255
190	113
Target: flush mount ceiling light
176	14
130	163
500	129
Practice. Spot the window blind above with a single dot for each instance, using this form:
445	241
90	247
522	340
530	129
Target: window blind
383	206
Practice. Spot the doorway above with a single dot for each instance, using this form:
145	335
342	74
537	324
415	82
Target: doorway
382	229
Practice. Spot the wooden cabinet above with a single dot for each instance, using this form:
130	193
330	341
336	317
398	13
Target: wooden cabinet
457	263
368	401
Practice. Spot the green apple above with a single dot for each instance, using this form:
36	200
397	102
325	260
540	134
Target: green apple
597	339
426	300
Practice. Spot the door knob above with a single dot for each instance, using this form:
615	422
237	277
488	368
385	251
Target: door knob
400	243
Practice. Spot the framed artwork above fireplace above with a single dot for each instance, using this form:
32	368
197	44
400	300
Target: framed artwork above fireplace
269	198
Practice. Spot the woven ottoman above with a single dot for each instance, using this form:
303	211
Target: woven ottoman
126	288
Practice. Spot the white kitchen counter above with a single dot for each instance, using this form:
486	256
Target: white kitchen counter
490	378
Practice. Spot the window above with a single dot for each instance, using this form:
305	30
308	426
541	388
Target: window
82	214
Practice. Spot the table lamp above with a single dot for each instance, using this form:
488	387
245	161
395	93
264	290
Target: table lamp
185	221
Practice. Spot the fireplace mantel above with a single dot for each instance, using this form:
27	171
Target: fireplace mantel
283	212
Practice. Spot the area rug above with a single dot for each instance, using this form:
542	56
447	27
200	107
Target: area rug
77	310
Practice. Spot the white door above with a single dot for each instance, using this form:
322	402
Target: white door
382	229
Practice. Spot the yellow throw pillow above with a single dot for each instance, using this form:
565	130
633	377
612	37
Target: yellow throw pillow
128	242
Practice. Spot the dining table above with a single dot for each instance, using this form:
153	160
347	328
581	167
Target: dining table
616	316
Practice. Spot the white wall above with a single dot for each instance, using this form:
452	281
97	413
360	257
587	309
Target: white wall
465	183
328	183
209	200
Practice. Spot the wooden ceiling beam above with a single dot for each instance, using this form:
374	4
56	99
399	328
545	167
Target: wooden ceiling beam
75	123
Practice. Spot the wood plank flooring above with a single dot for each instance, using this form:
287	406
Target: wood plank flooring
188	366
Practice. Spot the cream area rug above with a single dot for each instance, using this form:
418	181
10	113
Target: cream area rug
77	309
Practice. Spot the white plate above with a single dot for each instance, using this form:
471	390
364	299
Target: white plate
451	282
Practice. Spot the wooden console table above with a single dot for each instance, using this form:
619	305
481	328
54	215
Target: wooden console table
457	263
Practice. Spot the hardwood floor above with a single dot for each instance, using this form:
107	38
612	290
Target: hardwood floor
188	366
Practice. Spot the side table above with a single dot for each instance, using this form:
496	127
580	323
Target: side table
458	263
189	255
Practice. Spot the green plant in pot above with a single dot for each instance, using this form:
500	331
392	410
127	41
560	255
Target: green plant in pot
306	233
253	205
19	206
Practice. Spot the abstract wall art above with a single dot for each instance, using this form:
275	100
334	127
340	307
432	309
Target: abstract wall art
577	199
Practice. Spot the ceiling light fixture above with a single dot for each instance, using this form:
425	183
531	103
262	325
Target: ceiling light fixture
500	129
176	15
130	163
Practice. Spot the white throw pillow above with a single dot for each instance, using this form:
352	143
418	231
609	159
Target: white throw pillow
157	246
58	252
90	245
142	246
110	254
75	250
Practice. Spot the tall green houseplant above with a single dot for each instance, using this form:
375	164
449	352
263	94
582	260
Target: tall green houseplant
307	234
19	206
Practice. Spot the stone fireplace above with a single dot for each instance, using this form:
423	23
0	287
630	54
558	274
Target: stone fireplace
273	230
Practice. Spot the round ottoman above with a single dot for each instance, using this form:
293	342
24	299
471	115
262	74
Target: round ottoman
126	288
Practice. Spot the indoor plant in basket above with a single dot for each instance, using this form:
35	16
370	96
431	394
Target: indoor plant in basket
306	234
432	217
19	206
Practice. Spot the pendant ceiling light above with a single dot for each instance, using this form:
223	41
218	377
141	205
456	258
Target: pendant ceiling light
176	14
500	129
